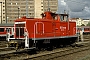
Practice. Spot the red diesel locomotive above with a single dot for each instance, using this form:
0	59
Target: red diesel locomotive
51	30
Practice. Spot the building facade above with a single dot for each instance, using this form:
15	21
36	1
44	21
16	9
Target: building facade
15	9
2	11
79	22
86	21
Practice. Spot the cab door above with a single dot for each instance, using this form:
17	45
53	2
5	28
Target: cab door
19	30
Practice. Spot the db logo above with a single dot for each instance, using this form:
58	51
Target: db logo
63	28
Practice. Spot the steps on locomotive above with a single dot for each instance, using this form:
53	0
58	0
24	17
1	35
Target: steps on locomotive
14	43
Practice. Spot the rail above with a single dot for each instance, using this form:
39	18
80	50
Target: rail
59	53
48	55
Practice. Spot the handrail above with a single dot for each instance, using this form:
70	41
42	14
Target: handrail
75	28
35	28
27	37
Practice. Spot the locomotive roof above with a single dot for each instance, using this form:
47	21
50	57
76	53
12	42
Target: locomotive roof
64	14
6	25
47	14
59	14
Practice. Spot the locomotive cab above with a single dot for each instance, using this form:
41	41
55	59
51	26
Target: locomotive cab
54	16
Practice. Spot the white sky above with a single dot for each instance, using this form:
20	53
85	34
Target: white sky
76	8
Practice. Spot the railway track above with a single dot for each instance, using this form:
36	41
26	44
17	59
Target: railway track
6	49
3	44
45	55
56	54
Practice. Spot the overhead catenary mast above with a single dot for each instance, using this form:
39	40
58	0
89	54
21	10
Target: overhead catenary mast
26	8
48	6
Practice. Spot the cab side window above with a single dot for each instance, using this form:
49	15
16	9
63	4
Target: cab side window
63	17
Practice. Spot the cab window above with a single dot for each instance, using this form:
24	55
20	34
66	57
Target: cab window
55	17
1	29
64	17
